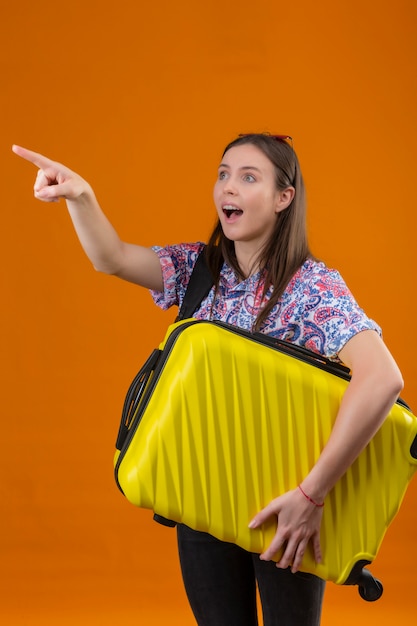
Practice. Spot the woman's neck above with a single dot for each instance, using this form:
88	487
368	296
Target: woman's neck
247	258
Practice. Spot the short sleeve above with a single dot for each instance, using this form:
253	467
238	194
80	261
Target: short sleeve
331	315
177	263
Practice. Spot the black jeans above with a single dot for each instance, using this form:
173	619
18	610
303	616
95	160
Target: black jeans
220	581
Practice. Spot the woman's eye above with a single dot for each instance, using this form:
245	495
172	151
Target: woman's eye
249	178
222	175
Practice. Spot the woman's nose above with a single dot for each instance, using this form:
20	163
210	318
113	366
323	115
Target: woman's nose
229	187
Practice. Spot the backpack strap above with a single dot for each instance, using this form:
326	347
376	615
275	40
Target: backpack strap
199	285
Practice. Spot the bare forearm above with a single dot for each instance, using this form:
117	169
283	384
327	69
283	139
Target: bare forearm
96	234
107	252
373	389
101	243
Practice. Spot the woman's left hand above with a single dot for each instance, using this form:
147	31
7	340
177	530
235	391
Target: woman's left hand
298	523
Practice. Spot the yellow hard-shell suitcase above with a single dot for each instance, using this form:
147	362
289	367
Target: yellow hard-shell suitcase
220	421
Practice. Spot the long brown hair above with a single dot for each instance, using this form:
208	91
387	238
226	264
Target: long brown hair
287	248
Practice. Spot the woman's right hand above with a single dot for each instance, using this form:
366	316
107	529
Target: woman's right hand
101	243
54	180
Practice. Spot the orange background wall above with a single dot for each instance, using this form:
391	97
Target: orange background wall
140	98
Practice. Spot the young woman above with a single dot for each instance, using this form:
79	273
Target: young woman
265	279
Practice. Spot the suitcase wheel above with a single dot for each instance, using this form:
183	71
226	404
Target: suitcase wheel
369	588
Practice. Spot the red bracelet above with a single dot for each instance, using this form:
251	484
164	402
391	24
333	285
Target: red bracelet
310	499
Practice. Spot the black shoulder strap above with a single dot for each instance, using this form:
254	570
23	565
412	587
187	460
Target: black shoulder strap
200	283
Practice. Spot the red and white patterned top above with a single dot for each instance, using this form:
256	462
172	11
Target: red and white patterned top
316	311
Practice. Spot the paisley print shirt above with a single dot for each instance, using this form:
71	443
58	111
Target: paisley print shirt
316	310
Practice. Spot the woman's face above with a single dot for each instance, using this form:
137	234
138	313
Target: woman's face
246	197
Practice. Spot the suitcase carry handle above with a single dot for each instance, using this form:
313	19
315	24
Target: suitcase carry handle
198	287
134	395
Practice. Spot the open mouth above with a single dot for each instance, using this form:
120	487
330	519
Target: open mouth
231	210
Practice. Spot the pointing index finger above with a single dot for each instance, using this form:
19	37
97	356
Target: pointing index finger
33	157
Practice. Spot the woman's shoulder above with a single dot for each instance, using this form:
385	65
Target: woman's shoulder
316	275
317	267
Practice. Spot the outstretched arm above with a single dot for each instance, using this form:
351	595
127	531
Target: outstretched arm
373	389
107	252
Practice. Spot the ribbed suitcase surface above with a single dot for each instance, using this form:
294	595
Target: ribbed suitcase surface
228	421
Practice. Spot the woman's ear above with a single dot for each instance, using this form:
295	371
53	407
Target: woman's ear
284	199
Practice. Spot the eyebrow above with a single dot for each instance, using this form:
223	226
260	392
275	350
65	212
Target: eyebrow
244	167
